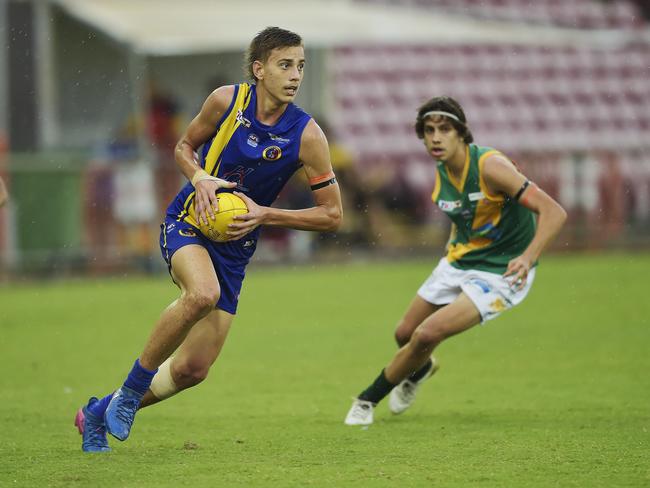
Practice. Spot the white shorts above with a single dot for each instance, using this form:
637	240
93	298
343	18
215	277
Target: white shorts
490	292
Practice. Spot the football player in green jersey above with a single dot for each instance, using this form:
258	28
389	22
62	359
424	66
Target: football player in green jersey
501	222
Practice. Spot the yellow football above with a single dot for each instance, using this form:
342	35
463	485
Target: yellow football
229	206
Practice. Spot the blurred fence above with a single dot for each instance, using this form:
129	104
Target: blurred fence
69	213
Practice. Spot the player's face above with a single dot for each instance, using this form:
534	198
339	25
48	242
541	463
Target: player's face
282	73
441	138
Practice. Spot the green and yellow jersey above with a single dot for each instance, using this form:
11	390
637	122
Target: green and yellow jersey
490	229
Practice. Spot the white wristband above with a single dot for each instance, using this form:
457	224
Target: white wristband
201	175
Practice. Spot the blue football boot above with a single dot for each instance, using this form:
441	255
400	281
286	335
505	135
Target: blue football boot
120	413
92	430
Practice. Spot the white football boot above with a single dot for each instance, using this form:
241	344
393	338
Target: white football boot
361	413
403	395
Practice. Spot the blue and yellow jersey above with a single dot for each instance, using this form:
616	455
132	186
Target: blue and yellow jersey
490	229
258	157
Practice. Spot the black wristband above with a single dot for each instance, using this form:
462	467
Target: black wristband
323	184
521	190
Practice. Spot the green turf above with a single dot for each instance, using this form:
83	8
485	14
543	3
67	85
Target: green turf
553	393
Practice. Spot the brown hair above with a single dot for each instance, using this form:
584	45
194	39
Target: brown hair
444	104
266	41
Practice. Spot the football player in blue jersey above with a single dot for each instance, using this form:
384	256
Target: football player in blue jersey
248	138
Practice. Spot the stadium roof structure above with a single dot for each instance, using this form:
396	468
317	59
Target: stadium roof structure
169	27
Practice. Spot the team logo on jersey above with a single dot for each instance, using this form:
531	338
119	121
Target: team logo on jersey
253	140
237	175
272	153
187	232
278	139
242	120
473	197
449	205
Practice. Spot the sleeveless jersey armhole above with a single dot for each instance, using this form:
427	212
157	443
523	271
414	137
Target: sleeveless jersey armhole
484	188
436	186
302	131
229	109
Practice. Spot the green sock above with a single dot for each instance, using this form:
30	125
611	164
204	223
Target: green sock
422	372
378	390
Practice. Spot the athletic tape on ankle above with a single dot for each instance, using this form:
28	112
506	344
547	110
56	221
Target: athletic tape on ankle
163	385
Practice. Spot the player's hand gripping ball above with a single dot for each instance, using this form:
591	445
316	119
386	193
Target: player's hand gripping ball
229	206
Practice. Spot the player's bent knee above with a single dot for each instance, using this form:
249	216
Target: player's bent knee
402	334
427	338
404	331
190	373
201	302
163	385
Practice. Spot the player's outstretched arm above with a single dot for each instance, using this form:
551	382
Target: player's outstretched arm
327	212
199	131
501	176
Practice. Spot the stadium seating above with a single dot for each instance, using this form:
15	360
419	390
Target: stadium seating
576	118
582	14
516	97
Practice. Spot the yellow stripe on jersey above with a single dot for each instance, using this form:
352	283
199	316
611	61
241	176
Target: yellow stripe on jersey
184	215
227	129
481	181
458	250
487	215
461	184
488	210
221	139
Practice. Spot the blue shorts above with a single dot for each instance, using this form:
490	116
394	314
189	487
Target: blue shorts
228	258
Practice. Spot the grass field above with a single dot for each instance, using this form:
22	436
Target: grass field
553	393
